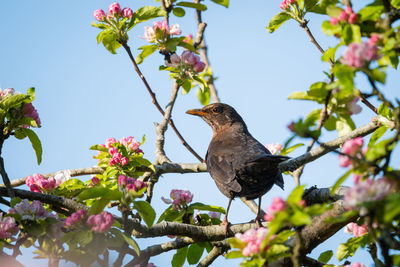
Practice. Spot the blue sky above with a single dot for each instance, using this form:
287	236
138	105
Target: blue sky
84	94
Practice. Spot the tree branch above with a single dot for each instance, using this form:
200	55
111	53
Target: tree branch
161	248
162	127
211	257
45	198
6	180
293	164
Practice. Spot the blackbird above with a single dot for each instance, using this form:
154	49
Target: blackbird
239	164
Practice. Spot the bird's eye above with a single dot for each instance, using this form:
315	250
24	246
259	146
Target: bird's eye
217	110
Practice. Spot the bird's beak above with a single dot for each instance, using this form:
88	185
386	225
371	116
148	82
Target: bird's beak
196	112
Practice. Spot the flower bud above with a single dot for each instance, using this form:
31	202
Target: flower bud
99	15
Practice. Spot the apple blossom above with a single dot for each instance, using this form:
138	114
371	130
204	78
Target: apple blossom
359	55
253	239
32	211
354	229
8	226
277	205
114	8
353	107
99	14
274	148
101	223
180	198
75	218
127	12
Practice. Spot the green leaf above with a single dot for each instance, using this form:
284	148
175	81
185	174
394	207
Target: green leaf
224	3
277	21
330	123
377	135
95	192
325	256
333	11
35	141
109	40
296	195
201	206
286	151
179	258
146	211
144	14
391	209
310	4
321	7
300	218
200	7
146	163
378	75
99	148
329	29
98	206
203	96
301	96
13	101
237	243
351	34
234	254
385	111
372	11
348	249
147	50
169	215
395	3
379	150
340	181
14	201
127	239
194	253
344	125
329	54
318	90
178	11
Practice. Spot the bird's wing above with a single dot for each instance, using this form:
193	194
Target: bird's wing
221	170
270	162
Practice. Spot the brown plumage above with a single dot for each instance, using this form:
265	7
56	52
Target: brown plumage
239	164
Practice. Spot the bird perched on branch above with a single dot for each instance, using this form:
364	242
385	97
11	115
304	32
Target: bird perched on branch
239	164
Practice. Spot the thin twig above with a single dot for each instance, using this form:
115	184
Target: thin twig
161	128
155	102
211	257
6	180
201	43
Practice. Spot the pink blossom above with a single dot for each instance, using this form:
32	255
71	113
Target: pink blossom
175	29
101	223
367	191
277	205
99	14
199	66
30	111
180	198
274	148
112	150
130	143
62	176
253	239
343	16
214	214
127	12
290	126
31	211
149	34
354	229
124	161
114	8
373	39
359	55
75	218
353	107
188	39
38	183
175	59
334	21
110	141
8	227
95	180
352	146
352	18
356	264
348	10
122	180
6	92
283	5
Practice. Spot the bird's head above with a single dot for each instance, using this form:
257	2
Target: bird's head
218	116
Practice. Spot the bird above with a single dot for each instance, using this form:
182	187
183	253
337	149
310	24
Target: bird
239	164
